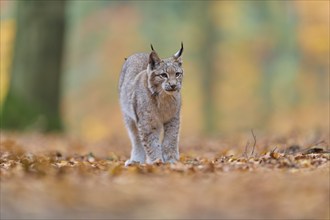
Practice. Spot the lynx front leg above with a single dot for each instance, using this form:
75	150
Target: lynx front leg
171	139
149	134
137	153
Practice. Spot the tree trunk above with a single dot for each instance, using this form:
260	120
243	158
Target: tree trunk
280	67
34	93
208	45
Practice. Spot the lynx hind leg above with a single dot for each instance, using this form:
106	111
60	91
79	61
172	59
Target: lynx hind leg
137	153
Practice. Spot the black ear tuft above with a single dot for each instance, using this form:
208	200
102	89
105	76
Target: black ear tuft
179	53
152	48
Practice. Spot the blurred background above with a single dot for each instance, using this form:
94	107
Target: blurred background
260	65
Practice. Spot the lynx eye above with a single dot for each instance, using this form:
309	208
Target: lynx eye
178	74
163	75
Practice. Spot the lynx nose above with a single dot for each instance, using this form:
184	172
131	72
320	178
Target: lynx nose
173	86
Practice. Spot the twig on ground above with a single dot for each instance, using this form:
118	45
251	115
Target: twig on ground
273	150
255	142
245	151
317	143
245	154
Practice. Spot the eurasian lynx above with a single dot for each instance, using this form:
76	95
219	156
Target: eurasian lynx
149	90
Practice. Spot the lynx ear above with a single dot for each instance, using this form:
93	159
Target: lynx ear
154	59
178	54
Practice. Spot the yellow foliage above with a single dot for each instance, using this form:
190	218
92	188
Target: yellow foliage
93	129
7	33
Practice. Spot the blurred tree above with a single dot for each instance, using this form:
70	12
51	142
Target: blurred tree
207	49
280	63
33	98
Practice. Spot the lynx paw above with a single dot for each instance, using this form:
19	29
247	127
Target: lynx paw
171	158
157	161
131	162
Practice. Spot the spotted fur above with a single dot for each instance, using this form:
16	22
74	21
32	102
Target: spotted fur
150	98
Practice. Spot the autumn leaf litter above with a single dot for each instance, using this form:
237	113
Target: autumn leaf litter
211	180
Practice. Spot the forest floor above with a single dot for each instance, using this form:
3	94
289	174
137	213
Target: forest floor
242	177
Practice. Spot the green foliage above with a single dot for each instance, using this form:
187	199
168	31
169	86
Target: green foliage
19	114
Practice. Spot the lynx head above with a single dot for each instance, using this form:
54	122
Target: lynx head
165	75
